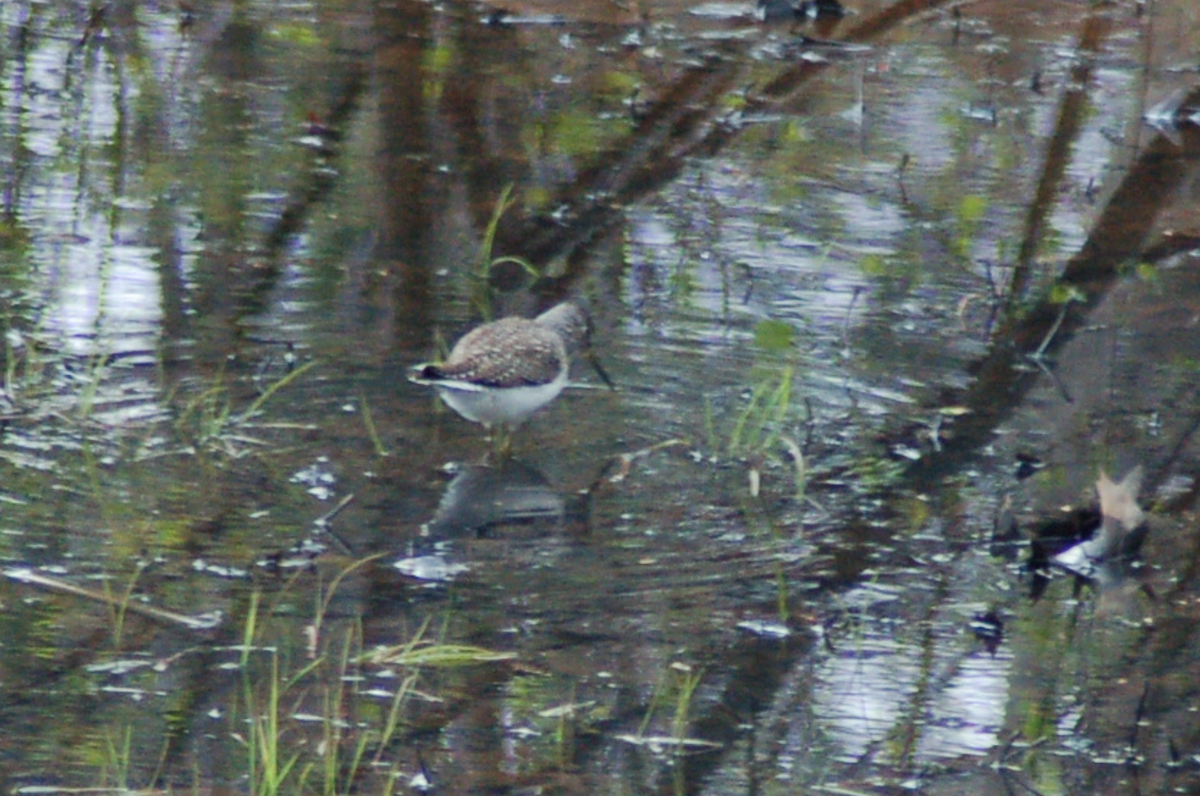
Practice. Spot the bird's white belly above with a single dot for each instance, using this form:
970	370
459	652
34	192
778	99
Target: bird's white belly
494	406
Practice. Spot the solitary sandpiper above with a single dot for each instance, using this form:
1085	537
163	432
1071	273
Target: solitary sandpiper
500	373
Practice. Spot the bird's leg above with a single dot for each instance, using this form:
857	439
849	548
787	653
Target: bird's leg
502	441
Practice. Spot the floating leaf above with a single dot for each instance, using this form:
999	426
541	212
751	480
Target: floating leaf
302	35
667	742
772	335
437	655
438	59
1065	294
796	133
621	82
873	265
972	208
734	102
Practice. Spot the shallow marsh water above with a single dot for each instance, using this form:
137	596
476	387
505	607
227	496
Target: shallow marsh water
881	294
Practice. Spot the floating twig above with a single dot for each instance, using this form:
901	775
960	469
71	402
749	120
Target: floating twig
206	621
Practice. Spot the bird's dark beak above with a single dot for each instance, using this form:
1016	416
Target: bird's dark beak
594	361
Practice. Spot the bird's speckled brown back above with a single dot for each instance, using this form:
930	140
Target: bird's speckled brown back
510	352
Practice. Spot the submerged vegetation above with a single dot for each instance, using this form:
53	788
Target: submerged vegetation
766	429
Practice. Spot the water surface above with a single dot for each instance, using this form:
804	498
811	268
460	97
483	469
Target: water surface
882	295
